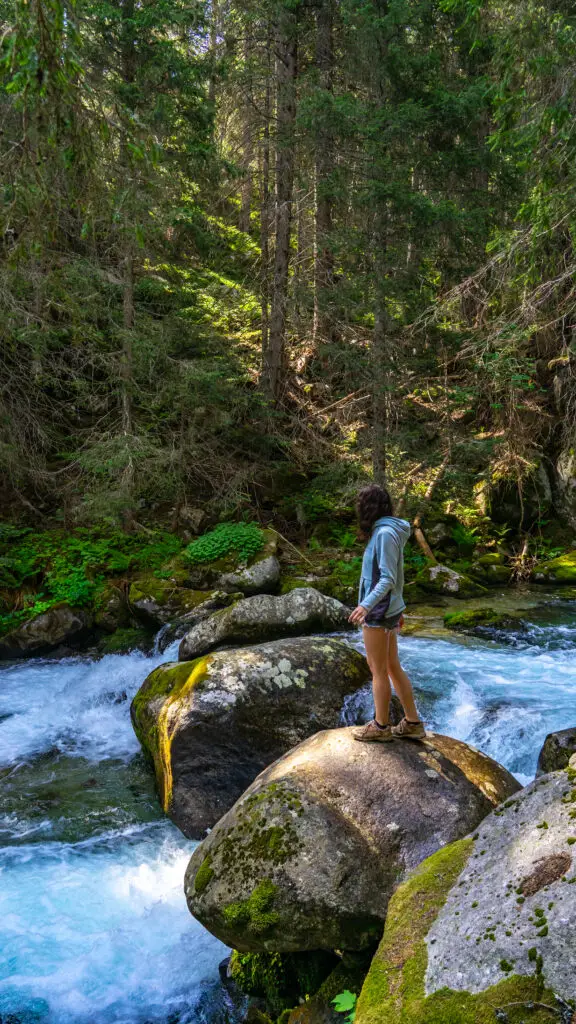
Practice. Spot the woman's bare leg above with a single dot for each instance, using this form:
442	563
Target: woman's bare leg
400	680
376	644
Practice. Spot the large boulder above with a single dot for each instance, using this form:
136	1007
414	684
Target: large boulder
441	579
213	724
61	624
486	926
260	574
156	602
310	854
111	610
557	570
557	749
263	577
257	619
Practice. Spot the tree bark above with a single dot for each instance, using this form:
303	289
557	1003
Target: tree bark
286	69
265	199
323	329
247	153
384	328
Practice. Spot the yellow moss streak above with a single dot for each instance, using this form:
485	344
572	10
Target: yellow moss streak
168	720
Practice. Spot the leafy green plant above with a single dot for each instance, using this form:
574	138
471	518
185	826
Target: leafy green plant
344	537
39	570
465	536
347	572
345	1002
245	539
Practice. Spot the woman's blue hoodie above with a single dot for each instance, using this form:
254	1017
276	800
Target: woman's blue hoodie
387	541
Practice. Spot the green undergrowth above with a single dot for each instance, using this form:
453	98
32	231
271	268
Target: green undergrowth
39	570
281	979
244	539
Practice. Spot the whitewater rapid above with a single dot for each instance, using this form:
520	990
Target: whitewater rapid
94	927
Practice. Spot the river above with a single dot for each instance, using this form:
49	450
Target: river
93	924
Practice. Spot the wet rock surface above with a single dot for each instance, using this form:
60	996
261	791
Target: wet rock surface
262	618
557	749
211	725
310	854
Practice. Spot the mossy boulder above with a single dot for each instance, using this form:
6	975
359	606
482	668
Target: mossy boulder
155	602
60	625
473	620
259	574
487	923
211	725
491	574
264	617
440	579
557	570
557	749
310	854
111	610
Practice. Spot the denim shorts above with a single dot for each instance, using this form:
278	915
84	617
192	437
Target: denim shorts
389	622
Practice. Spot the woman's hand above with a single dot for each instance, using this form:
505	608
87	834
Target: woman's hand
358	615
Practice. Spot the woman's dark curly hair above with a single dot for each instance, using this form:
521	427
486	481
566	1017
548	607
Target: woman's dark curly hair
372	503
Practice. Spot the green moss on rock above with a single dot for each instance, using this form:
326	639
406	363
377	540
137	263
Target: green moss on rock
394	990
256	913
281	979
472	617
557	570
154	713
204	875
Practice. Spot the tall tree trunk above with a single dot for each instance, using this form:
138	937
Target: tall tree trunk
286	69
127	259
247	154
383	342
324	165
265	198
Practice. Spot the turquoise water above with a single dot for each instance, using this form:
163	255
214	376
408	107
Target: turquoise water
94	927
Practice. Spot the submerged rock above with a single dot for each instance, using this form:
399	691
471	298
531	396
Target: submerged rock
556	751
213	724
261	618
440	579
59	625
310	854
487	922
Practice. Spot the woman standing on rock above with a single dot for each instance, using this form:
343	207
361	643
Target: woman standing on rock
379	611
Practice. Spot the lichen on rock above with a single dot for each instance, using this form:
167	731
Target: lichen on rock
333	826
212	724
261	618
486	923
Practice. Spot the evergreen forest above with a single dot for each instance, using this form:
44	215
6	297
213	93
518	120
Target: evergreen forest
254	254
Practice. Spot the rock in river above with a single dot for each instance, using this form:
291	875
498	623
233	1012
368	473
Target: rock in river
488	923
310	854
213	724
557	750
257	619
60	624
